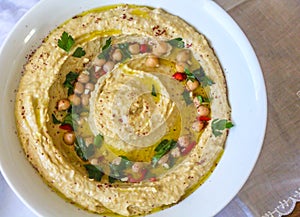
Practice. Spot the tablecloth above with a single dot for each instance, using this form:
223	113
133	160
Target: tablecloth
273	28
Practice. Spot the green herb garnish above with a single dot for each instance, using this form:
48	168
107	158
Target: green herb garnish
107	44
163	147
83	151
94	172
66	42
98	140
125	162
105	50
177	42
79	52
153	92
218	125
189	75
69	82
111	179
80	148
125	52
199	74
117	171
90	151
187	97
202	100
71	119
55	120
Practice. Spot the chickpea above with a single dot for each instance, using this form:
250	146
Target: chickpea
85	99
137	167
192	85
99	62
78	88
83	78
90	86
183	141
117	55
69	138
63	104
183	56
152	61
175	152
75	100
161	48
134	48
108	66
117	161
203	110
197	126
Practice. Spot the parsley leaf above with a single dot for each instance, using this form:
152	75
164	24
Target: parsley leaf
80	148
55	120
79	52
177	42
66	42
186	97
153	92
111	179
218	125
200	99
125	52
229	125
199	74
203	100
98	140
117	172
107	44
163	148
83	151
105	50
90	151
94	172
69	82
189	75
125	162
70	119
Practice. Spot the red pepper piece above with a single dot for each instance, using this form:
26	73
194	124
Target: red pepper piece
204	118
143	48
67	127
179	76
153	179
188	149
141	178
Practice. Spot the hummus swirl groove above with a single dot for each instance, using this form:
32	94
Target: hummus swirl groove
123	110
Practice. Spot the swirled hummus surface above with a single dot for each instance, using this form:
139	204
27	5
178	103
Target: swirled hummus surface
123	110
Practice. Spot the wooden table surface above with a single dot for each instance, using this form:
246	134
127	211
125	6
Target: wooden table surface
296	212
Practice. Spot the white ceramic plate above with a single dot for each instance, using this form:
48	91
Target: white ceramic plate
247	97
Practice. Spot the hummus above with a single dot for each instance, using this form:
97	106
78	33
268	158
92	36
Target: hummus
123	110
